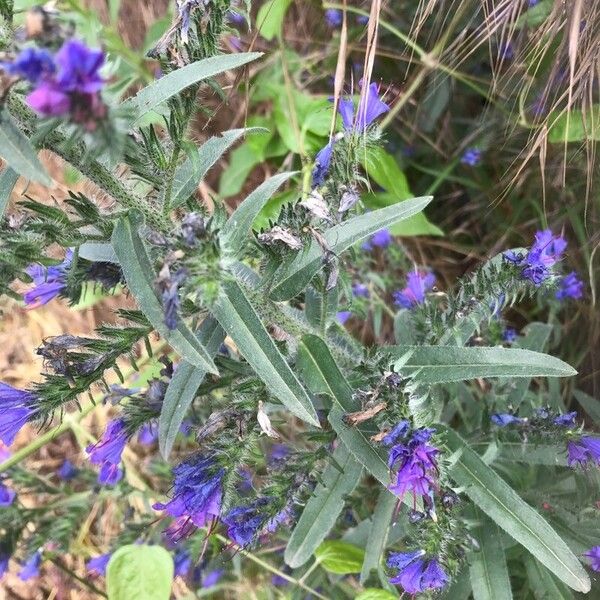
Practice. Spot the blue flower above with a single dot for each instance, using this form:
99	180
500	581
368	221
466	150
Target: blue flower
67	471
381	239
245	524
471	157
502	420
584	451
31	567
197	494
370	107
16	408
417	284
322	164
360	290
78	68
510	335
49	282
182	562
170	297
416	573
362	19
32	64
333	17
212	578
97	565
343	316
594	555
570	286
108	450
566	420
7	496
4	559
398	431
148	433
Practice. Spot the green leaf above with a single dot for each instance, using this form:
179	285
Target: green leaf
192	171
487	567
378	535
293	278
8	179
182	388
18	152
269	19
503	505
442	364
239	319
542	584
98	252
376	594
139	572
171	84
384	170
234	233
242	161
589	404
139	275
340	557
575	125
323	508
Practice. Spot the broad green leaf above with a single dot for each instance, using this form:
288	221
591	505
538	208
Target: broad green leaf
139	572
171	84
293	278
241	322
241	162
542	584
589	404
575	125
182	388
8	179
192	171
234	233
323	508
376	594
384	170
340	557
377	540
269	19
442	364
492	495
487	566
98	252
320	370
139	275
18	152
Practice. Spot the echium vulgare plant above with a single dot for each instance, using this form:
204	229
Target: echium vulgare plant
421	467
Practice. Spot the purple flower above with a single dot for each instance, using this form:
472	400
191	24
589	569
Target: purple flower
510	335
333	17
32	64
4	558
7	496
236	18
570	286
244	523
417	574
502	420
360	290
322	163
417	284
67	471
279	451
108	450
78	68
182	562
48	281
381	239
31	567
594	555
97	565
369	108
48	100
148	433
197	493
398	431
566	420
343	316
362	19
169	287
584	451
471	157
16	408
212	578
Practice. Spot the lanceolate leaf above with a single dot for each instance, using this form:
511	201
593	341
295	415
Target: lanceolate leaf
323	508
192	171
98	252
442	364
487	566
183	386
504	506
18	152
235	232
139	275
171	84
293	278
337	556
542	583
8	179
240	320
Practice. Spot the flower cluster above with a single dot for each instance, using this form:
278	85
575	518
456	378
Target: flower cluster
107	452
536	265
569	286
417	573
418	283
197	495
18	407
68	83
48	282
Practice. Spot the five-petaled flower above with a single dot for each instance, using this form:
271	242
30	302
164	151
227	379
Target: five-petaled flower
418	283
